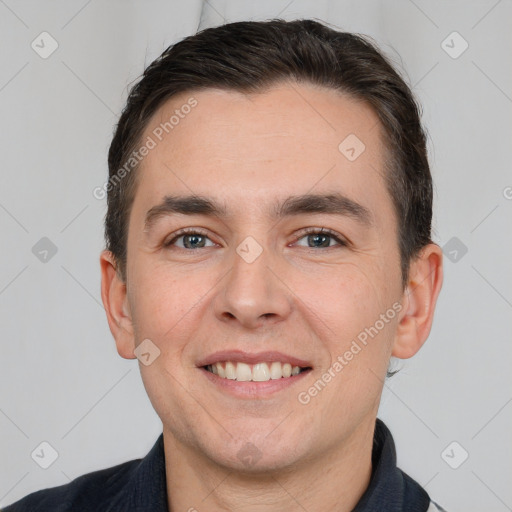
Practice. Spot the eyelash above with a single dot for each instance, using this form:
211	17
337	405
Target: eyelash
303	233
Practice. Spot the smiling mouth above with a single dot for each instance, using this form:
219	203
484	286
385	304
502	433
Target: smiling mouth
259	372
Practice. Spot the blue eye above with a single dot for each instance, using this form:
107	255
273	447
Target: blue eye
196	239
315	235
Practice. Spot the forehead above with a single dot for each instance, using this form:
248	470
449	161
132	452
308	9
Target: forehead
244	149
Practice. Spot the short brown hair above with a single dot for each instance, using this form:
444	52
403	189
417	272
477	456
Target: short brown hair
251	56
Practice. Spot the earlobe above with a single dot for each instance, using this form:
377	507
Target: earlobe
419	301
115	301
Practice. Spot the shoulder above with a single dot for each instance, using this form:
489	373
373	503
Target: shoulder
91	491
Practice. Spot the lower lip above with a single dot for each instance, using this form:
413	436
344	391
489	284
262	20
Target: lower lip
251	389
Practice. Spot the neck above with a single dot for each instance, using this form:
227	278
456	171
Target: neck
331	481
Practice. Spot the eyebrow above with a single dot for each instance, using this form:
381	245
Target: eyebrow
333	204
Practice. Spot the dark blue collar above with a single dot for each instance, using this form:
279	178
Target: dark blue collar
140	486
390	488
146	487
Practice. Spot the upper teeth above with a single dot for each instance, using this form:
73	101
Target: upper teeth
258	372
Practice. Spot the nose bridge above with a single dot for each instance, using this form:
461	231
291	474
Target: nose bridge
252	293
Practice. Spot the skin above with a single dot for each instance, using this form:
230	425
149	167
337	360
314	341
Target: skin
301	298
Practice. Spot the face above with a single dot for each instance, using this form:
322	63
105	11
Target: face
255	282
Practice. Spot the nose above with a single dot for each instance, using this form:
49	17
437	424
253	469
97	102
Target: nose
253	294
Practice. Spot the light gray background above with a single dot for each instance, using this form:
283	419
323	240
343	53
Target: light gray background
61	379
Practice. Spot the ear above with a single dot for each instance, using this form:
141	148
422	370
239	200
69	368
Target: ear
419	300
115	301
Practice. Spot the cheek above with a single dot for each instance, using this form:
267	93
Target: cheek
162	299
344	299
346	308
361	325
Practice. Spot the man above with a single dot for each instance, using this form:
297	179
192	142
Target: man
268	251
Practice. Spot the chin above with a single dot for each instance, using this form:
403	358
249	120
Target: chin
253	454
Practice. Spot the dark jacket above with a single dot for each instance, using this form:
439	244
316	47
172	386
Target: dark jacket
140	486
